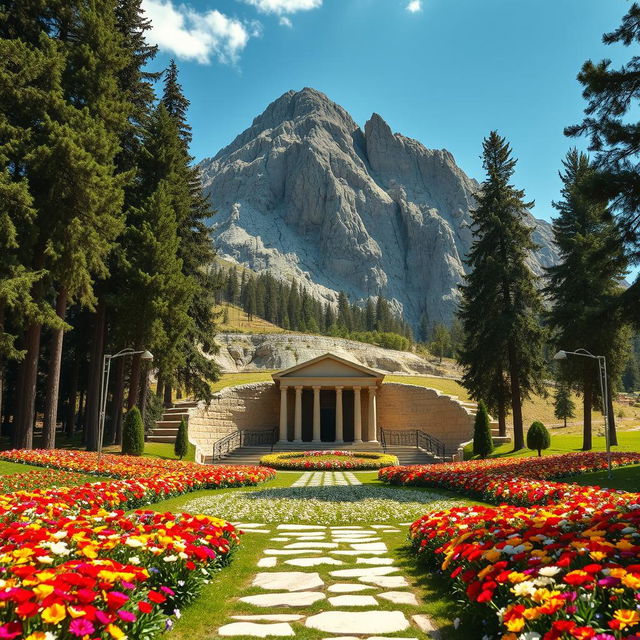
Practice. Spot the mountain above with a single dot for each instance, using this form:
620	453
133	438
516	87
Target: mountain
306	193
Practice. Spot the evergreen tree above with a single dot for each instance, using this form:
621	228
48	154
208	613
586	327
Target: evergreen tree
181	446
611	124
584	285
424	330
133	433
440	344
538	437
482	440
370	315
501	306
344	320
564	406
456	336
175	101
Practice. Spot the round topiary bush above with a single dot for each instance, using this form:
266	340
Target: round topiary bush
133	433
538	437
328	460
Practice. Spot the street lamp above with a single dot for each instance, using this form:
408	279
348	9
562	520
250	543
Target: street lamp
602	370
104	386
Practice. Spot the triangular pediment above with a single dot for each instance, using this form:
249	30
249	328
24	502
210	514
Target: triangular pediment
329	366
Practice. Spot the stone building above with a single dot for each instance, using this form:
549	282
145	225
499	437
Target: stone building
330	401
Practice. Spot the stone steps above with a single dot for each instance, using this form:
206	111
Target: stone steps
166	429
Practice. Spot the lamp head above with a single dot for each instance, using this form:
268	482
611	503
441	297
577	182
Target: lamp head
561	355
147	355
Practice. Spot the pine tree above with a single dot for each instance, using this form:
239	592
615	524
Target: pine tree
613	97
345	319
370	314
133	433
175	101
181	446
564	406
584	285
440	344
538	437
501	306
482	440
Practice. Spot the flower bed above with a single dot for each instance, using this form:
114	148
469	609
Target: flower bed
327	460
565	566
74	564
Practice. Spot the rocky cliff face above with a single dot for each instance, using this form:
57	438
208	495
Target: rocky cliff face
306	193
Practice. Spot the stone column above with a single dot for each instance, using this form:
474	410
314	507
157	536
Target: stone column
297	428
316	414
339	426
357	416
283	413
373	415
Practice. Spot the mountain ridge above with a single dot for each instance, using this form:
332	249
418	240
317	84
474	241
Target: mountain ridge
305	193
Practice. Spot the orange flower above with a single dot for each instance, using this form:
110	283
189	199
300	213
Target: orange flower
626	617
54	614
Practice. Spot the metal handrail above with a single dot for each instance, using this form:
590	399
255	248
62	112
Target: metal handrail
413	437
246	437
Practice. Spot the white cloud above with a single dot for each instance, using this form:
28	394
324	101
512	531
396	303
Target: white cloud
281	7
414	6
191	35
285	22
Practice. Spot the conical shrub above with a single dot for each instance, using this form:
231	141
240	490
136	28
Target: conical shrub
181	446
538	437
133	433
482	440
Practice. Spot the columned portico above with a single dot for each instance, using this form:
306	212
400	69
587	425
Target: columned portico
328	405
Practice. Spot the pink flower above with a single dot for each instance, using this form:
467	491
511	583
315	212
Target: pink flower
81	627
10	630
127	616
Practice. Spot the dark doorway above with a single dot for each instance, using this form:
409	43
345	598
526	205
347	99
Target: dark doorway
328	425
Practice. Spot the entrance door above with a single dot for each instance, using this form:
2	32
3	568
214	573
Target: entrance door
328	425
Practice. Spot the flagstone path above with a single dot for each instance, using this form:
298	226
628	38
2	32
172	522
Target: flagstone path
336	580
326	479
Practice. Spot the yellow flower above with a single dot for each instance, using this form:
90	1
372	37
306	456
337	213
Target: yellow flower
43	590
54	614
597	555
90	552
631	581
491	555
516	577
627	617
115	632
515	624
36	635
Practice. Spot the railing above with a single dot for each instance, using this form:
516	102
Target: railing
412	438
244	438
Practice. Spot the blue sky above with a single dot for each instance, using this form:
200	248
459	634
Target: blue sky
444	72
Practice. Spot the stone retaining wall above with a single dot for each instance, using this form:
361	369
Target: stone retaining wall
409	406
400	406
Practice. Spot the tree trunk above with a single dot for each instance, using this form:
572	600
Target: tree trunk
502	419
115	430
27	388
144	388
70	422
82	401
159	386
53	377
587	399
516	399
92	405
613	434
565	422
167	395
134	380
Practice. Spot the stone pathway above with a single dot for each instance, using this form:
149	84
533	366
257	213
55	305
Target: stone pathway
336	580
326	479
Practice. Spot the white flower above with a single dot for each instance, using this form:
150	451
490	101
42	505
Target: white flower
549	571
61	533
49	635
45	559
133	542
526	588
134	560
183	555
529	635
456	623
170	558
177	614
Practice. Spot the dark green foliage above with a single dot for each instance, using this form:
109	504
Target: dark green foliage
501	306
153	412
482	440
181	446
538	437
133	433
564	406
611	123
585	284
631	374
440	345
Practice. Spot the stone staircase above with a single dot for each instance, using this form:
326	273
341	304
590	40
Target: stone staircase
497	439
166	428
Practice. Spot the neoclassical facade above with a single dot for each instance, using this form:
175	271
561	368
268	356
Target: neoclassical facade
328	399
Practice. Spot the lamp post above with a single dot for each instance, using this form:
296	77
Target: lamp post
104	387
602	371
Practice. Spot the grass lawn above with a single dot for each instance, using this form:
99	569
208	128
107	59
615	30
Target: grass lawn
626	478
219	600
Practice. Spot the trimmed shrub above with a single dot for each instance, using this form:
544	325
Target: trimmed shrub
133	433
482	440
538	437
181	447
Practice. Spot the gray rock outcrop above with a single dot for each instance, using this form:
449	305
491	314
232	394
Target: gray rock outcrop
306	193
